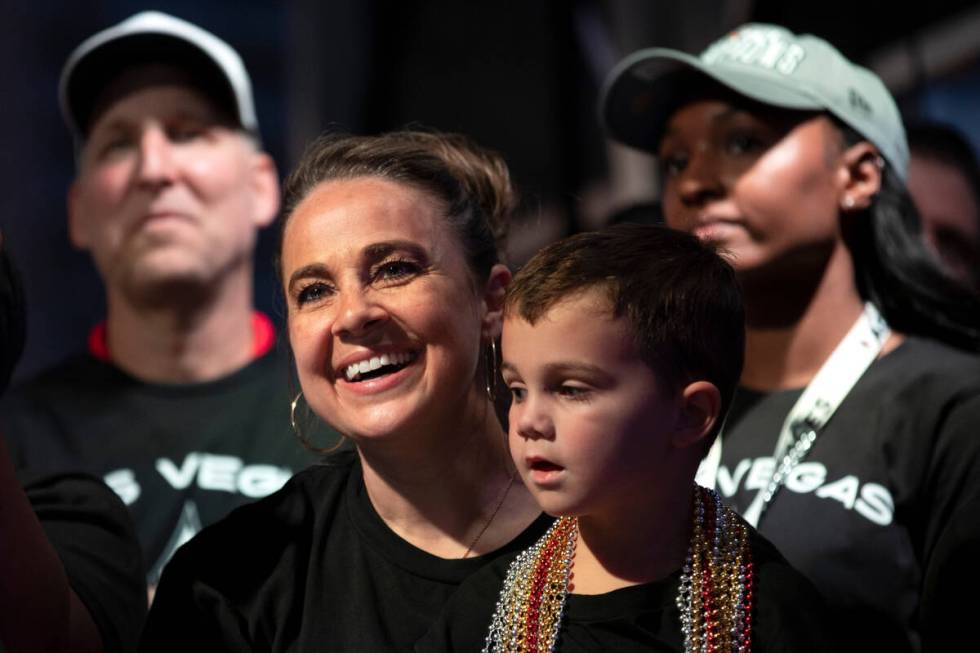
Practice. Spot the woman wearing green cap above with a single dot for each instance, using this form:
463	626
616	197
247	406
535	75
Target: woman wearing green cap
852	441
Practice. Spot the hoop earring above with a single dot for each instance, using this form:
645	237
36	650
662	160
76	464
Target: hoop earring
490	358
298	432
292	419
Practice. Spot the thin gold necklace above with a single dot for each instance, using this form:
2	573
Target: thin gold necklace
486	525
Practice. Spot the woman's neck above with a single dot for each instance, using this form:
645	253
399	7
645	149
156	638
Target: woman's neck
793	328
445	488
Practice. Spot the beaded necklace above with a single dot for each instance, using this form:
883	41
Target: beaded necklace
714	598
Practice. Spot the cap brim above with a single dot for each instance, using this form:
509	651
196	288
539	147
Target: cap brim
643	90
85	79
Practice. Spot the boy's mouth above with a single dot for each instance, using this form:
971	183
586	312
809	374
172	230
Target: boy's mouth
541	465
544	473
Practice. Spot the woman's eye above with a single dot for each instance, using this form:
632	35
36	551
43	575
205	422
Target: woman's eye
517	393
311	293
673	164
395	270
739	144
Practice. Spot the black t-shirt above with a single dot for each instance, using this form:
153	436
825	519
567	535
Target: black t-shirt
862	514
788	613
180	456
310	568
91	532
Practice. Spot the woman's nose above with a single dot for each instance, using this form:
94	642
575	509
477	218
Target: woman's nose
358	314
701	179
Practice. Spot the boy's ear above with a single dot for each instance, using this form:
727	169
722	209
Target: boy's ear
493	300
700	410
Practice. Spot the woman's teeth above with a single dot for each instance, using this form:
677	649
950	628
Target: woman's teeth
355	370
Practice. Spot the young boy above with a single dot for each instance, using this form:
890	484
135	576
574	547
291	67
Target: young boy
622	350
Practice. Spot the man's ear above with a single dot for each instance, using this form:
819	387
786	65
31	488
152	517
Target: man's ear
859	177
77	229
493	300
700	410
265	188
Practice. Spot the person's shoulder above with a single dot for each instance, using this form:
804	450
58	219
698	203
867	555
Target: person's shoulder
918	359
76	372
246	564
789	613
923	376
279	520
90	529
462	624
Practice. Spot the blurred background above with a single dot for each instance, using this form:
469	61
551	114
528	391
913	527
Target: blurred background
521	76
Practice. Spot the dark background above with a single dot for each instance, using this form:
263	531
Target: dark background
518	75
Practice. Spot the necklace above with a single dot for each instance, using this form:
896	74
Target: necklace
486	524
714	597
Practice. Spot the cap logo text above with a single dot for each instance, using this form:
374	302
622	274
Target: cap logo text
766	48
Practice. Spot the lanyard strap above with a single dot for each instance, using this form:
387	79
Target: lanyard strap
811	412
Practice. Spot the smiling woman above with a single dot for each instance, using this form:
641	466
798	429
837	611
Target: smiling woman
394	286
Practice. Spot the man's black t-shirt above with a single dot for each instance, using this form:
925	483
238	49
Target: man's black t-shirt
310	568
788	613
180	456
89	529
861	515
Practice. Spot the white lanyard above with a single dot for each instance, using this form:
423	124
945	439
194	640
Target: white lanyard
852	357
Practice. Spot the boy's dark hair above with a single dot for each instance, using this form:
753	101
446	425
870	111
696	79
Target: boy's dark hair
681	299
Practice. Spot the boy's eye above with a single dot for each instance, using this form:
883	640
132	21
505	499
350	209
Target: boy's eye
574	392
312	292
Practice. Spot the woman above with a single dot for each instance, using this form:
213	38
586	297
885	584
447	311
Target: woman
391	270
852	438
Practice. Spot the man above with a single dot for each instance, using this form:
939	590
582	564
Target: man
181	403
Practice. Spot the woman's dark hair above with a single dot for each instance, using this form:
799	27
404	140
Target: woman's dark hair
896	271
472	181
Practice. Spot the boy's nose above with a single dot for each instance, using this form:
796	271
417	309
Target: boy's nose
532	421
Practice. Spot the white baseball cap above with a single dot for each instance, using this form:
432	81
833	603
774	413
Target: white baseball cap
154	37
766	63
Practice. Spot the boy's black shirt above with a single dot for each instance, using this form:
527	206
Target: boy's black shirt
788	616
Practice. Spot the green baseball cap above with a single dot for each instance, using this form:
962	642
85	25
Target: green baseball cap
766	63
